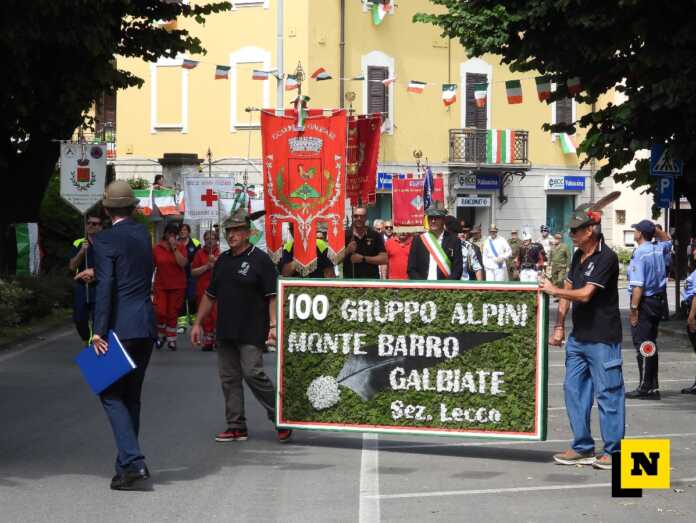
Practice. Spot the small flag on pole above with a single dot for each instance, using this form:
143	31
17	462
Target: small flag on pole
321	74
291	82
449	94
380	9
567	145
388	81
480	93
257	74
300	104
543	85
359	78
574	86
189	64
222	72
414	86
513	89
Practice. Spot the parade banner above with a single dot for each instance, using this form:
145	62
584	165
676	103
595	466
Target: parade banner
407	204
364	133
202	196
82	174
448	358
304	182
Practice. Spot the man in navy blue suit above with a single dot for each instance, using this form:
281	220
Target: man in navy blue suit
123	259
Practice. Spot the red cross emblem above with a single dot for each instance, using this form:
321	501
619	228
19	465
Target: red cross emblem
209	197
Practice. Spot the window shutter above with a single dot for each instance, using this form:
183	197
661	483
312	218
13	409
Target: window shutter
475	116
377	92
564	110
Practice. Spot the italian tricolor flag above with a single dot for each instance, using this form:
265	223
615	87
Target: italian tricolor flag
574	86
163	199
291	82
567	145
480	93
414	86
500	146
543	85
513	89
449	94
380	9
28	251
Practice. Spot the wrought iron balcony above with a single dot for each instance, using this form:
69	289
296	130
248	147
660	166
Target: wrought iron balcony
489	147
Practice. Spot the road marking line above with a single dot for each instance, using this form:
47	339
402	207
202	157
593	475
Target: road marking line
369	480
635	381
14	353
390	445
512	490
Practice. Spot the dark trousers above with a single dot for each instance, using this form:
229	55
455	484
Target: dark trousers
237	362
665	306
83	316
649	315
121	402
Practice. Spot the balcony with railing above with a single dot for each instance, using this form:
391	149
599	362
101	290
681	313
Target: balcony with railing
472	147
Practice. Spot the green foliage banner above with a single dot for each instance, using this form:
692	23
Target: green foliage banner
450	358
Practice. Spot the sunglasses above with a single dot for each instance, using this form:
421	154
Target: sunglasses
389	227
96	224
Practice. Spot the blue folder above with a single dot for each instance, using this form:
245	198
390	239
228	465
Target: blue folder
102	370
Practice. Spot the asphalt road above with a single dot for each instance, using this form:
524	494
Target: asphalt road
56	455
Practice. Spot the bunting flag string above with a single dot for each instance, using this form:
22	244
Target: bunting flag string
480	94
222	72
449	94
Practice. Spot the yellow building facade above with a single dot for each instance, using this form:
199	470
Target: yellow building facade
188	111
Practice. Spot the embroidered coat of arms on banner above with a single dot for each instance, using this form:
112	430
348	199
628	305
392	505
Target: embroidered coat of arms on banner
364	133
304	182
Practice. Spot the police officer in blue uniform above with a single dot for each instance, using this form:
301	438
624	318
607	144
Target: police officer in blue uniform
689	305
647	281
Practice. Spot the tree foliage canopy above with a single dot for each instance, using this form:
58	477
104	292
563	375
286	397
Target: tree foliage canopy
59	57
642	48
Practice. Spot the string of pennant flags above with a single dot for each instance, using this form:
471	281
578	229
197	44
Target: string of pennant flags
513	88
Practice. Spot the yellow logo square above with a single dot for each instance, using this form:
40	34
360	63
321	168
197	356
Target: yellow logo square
645	463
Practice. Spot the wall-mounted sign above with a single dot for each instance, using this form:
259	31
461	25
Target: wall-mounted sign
473	201
565	183
478	182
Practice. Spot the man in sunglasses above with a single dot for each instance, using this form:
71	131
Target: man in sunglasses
82	258
365	250
593	350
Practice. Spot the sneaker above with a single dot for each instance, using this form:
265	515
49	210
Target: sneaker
159	343
232	435
172	345
639	394
284	435
603	462
570	457
181	330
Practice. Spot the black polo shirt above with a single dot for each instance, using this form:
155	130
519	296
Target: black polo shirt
242	285
371	244
597	321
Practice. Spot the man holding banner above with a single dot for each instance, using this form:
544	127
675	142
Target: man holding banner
435	254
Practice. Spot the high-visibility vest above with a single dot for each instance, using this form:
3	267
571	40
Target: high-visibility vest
321	245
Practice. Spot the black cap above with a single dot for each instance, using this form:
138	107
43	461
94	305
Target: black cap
646	228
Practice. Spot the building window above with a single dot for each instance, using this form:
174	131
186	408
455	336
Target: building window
244	91
376	96
169	84
563	110
629	240
620	217
471	73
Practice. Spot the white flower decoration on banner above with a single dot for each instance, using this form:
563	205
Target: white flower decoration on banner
323	392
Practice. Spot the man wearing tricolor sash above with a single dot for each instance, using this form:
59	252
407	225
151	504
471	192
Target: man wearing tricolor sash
436	254
496	251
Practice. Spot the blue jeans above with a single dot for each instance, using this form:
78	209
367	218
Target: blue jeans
594	369
121	402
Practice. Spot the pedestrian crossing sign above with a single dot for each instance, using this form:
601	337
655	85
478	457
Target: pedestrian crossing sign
663	163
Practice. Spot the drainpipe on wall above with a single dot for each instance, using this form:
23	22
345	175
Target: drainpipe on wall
593	168
279	57
342	54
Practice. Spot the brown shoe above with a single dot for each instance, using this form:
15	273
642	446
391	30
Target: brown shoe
570	457
603	462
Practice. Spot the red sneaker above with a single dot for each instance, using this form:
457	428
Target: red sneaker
284	435
232	435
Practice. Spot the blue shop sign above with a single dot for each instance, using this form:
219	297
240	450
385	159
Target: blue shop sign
574	183
487	182
384	181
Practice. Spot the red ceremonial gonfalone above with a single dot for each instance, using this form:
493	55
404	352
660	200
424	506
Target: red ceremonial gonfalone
304	180
364	133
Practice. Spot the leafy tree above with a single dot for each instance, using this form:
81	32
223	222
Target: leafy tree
59	57
642	48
